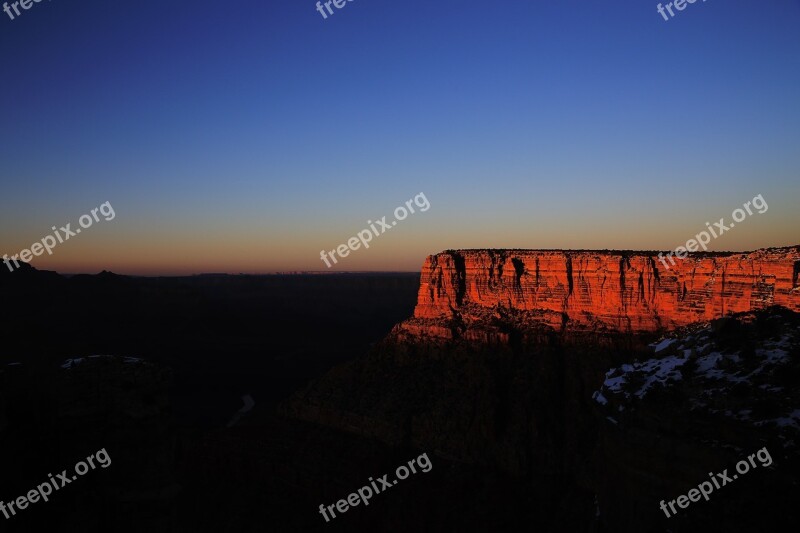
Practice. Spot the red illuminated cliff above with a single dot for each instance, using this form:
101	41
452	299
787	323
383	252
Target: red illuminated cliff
461	290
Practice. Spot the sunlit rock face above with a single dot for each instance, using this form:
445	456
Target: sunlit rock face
607	290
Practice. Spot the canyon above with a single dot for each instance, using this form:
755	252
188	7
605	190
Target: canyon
540	384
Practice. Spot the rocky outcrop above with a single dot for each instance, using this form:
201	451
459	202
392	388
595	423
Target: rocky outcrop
502	364
707	396
601	290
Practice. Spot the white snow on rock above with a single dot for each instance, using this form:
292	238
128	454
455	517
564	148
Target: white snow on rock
654	370
599	398
775	355
661	371
666	343
708	362
742	381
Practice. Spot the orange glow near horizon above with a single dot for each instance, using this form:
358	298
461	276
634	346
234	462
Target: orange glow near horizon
120	250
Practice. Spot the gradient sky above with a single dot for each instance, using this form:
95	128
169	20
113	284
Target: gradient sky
246	136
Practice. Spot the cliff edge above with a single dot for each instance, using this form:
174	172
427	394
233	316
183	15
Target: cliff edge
623	291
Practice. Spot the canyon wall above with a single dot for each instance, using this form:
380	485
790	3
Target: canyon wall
619	291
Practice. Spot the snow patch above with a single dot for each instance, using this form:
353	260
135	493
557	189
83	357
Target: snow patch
666	343
599	398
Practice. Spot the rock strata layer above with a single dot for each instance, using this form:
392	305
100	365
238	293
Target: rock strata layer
611	290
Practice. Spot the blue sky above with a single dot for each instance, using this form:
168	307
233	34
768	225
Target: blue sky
247	136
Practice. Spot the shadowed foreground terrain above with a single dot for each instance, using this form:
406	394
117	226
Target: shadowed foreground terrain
572	425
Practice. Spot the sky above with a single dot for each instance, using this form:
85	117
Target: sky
247	136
